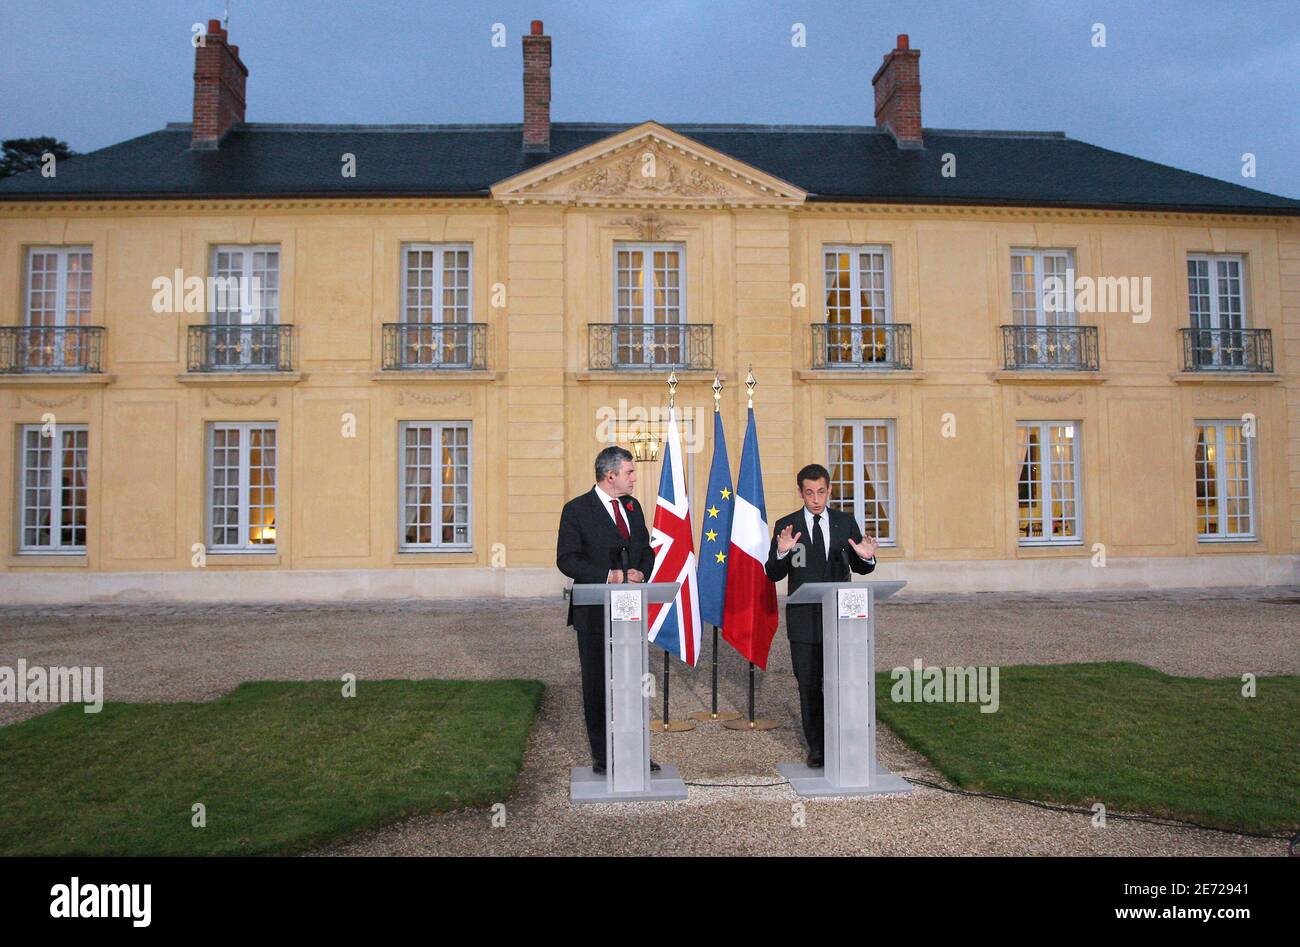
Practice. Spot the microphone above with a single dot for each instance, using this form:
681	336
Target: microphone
622	561
844	558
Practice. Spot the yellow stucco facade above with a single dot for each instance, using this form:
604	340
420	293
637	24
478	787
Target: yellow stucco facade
542	269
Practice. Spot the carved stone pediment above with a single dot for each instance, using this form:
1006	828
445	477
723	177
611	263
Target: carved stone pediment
649	171
646	166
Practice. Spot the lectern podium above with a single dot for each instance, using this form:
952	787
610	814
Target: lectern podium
849	684
627	776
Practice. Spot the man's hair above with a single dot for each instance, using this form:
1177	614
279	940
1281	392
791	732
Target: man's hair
813	472
610	460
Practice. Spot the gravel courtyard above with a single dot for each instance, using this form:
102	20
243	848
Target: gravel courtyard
168	653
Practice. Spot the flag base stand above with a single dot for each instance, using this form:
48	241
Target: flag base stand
670	726
709	717
759	723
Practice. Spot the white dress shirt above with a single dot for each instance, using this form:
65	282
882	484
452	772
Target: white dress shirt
605	499
826	535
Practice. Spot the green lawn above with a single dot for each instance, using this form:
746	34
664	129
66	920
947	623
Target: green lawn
1125	735
280	766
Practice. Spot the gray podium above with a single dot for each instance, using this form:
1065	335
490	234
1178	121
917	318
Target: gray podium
627	775
849	683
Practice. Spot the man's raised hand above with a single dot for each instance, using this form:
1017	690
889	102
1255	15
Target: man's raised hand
785	542
867	548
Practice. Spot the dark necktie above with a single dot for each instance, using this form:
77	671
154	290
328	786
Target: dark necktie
819	547
618	518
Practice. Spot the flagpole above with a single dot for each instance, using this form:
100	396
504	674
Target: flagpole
713	703
667	724
712	713
666	669
751	693
751	723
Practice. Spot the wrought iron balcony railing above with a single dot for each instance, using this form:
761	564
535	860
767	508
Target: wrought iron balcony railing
51	349
1227	350
417	346
632	346
241	348
1055	348
855	346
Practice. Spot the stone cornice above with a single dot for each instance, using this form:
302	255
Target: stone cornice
182	206
177	205
991	211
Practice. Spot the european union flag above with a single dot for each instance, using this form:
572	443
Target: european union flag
715	534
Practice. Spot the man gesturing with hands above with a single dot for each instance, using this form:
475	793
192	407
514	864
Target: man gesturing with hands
813	544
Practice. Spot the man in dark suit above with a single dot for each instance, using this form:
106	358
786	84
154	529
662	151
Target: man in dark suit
600	531
833	539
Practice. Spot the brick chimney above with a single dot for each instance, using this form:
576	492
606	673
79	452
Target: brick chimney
219	79
537	91
898	94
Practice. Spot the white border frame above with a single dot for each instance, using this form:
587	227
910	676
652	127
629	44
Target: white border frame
20	468
1251	480
400	511
1044	464
245	548
891	425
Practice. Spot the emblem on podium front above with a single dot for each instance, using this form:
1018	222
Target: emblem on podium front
853	603
625	605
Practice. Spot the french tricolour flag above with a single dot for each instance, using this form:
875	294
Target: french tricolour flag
674	626
749	617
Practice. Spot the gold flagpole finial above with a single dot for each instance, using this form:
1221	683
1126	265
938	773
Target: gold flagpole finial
672	388
717	393
749	385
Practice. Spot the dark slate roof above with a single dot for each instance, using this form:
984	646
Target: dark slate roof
830	162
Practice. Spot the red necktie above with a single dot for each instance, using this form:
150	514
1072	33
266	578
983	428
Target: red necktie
618	518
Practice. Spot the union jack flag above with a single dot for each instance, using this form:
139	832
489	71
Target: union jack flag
674	626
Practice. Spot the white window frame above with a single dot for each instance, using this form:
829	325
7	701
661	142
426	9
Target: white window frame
436	346
859	483
1220	483
62	254
436	545
263	315
856	253
1042	317
647	314
1047	482
437	307
242	545
1216	318
55	529
65	350
252	311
